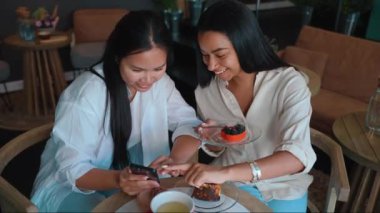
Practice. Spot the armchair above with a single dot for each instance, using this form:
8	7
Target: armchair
11	198
91	28
324	192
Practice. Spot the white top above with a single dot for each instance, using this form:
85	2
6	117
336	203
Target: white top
81	139
281	110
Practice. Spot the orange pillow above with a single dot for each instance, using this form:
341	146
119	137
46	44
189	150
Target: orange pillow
315	61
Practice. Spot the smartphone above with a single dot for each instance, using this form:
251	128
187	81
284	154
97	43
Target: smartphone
143	170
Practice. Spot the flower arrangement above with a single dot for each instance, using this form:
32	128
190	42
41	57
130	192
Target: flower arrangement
43	22
40	17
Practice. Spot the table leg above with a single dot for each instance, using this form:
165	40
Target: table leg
58	72
355	176
374	193
30	87
358	202
49	83
41	81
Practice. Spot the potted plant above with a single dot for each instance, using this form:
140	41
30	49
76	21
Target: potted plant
350	14
172	15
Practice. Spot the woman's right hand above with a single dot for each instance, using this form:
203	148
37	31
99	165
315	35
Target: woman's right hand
133	184
197	174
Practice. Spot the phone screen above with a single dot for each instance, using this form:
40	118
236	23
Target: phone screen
143	170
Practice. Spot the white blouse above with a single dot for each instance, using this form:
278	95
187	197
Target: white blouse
81	139
281	110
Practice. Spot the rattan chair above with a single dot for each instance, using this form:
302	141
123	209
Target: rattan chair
327	190
11	199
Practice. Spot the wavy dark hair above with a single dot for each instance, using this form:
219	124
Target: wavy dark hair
235	20
136	32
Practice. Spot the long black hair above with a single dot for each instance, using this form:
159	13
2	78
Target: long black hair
235	20
136	32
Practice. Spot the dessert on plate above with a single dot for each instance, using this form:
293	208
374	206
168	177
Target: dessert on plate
208	192
232	134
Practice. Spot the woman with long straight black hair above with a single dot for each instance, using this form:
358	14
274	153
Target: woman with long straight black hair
117	114
242	79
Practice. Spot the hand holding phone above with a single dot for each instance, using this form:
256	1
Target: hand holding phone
143	170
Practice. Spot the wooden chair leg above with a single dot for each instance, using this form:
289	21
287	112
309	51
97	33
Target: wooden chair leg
374	194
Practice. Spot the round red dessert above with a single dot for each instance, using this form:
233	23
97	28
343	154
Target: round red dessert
233	134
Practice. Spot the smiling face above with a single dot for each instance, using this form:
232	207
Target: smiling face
219	55
139	71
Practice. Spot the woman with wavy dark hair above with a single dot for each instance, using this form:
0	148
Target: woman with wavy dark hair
117	114
242	79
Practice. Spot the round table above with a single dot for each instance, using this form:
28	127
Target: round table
363	147
43	79
117	200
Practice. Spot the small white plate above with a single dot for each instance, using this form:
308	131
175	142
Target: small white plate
209	204
212	136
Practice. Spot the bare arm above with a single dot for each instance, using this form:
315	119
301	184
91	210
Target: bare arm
184	148
99	179
279	164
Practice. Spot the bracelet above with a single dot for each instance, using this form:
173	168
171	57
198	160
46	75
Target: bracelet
256	172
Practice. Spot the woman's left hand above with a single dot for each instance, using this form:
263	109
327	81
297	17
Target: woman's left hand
133	184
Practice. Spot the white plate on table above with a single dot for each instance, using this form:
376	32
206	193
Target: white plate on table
227	204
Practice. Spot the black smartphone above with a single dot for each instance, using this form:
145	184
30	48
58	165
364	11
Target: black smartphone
143	170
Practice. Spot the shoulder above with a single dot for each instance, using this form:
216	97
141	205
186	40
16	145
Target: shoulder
85	88
283	77
164	84
212	88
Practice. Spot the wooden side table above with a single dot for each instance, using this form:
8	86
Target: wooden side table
363	147
42	75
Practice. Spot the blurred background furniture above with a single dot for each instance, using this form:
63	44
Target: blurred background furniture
12	199
348	67
325	191
363	147
4	75
91	28
43	81
43	72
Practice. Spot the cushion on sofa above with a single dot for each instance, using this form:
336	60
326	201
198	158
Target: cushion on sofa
353	65
93	25
313	60
328	106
